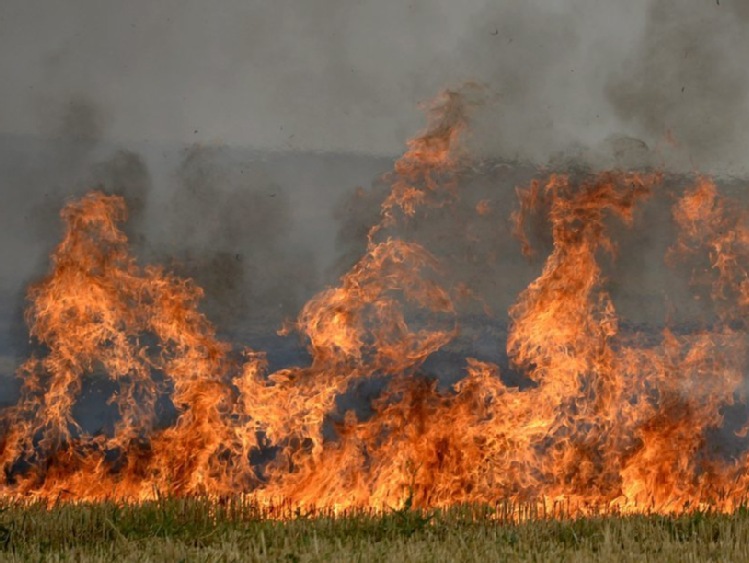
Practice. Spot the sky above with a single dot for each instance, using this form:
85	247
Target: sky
560	76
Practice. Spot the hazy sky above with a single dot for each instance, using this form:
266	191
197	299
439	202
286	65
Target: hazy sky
347	75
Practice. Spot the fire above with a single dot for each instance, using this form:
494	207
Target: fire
608	419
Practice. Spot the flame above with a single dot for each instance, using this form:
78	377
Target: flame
608	419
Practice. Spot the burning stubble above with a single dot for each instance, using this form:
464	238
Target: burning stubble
582	406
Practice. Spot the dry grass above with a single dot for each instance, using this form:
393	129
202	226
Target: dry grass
201	530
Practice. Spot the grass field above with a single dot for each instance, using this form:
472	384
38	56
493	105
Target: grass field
200	530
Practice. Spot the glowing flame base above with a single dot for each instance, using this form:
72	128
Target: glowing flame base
609	421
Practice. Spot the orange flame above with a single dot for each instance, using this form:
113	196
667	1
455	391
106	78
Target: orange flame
607	420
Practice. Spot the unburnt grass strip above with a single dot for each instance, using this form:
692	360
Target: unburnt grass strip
239	530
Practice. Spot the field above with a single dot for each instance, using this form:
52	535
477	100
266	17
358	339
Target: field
201	530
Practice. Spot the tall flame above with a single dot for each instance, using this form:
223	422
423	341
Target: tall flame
607	419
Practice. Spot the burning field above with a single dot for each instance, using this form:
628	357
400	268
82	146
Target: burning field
588	413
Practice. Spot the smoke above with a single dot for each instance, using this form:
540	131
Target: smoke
80	121
336	76
126	174
687	80
284	110
238	134
227	225
36	178
573	78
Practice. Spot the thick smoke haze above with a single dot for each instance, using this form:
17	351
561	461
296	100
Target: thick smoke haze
331	75
239	131
687	77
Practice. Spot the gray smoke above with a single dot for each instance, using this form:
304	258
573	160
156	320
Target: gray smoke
687	79
238	130
227	225
335	76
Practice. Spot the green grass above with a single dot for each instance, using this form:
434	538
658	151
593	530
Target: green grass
202	530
